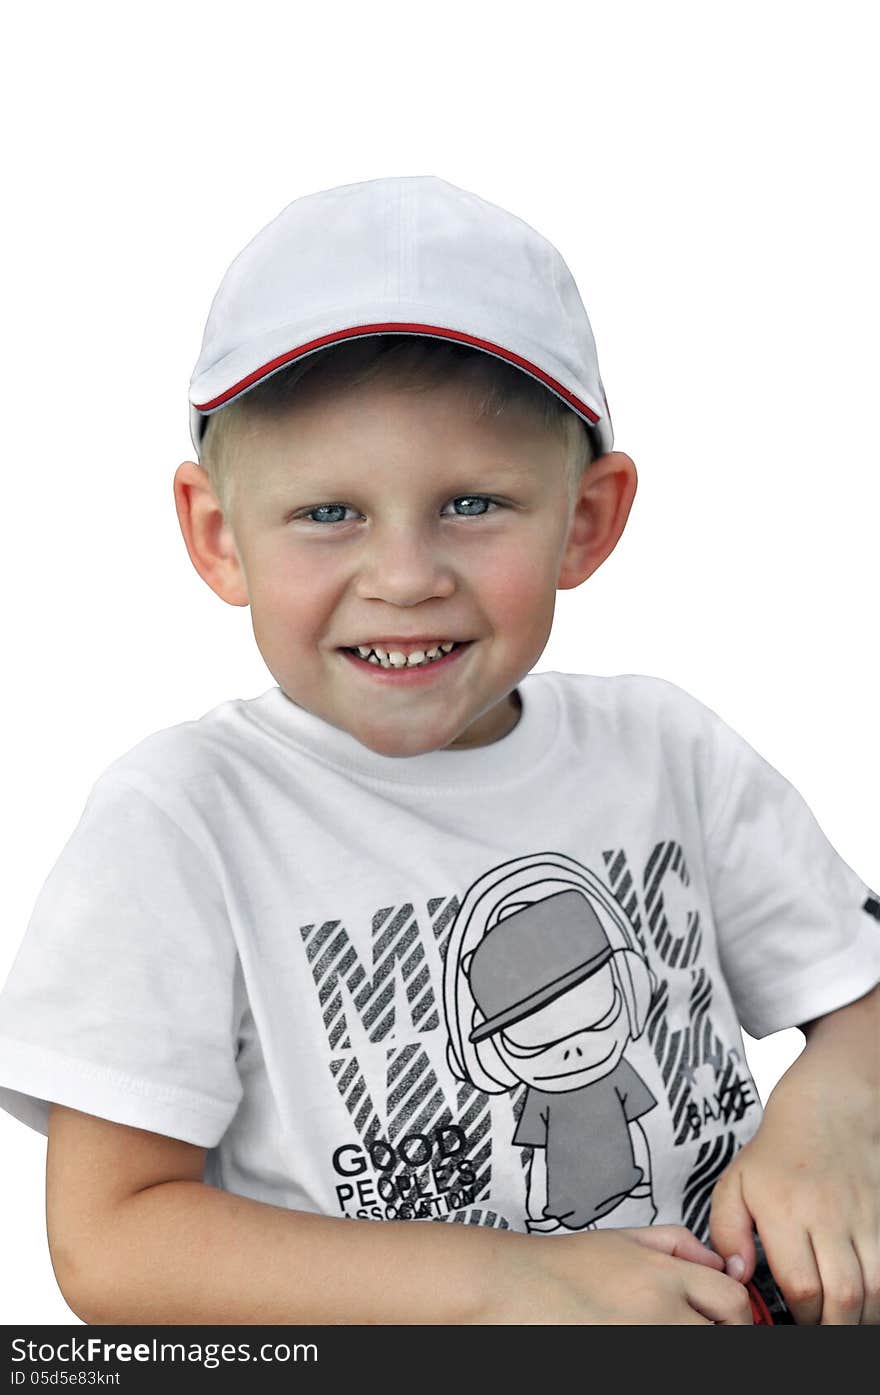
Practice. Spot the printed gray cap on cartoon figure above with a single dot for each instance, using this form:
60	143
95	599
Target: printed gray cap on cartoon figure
533	956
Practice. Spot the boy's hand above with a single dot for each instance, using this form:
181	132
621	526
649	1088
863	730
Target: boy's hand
656	1275
810	1182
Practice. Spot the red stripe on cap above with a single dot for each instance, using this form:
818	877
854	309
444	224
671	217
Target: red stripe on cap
361	330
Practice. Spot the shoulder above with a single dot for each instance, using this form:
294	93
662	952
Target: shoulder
184	769
633	703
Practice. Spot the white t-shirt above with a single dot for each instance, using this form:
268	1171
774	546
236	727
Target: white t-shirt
266	939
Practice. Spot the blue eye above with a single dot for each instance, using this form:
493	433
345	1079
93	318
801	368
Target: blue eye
320	513
325	508
474	499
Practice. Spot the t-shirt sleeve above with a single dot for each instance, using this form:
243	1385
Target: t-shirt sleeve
632	1091
532	1126
121	1001
798	928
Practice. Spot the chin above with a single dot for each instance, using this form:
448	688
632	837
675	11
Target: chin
394	744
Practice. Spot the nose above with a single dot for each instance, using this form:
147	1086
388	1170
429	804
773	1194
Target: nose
403	566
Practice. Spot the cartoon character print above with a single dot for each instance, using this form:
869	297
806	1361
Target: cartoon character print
544	985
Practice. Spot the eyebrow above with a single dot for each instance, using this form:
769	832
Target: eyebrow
314	478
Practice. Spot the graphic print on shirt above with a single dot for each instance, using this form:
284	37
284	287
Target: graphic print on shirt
546	987
699	1101
425	1152
551	975
680	1052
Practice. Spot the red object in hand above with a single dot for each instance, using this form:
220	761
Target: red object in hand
760	1312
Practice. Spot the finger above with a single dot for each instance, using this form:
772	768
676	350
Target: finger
675	1240
720	1299
869	1261
793	1265
731	1226
695	1317
841	1275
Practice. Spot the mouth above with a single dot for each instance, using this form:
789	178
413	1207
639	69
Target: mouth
417	655
418	667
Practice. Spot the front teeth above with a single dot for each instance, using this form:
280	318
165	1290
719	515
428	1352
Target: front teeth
393	658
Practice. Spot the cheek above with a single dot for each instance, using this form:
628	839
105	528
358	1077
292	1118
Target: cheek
520	597
518	585
287	586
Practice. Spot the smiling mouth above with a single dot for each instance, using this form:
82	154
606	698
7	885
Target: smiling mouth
395	658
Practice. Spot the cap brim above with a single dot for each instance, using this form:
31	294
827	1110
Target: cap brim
200	410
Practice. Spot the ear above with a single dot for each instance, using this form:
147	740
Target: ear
208	537
604	497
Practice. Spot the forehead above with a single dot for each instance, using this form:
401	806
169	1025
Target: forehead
361	430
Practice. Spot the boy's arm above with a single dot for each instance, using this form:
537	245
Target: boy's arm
136	1236
810	1178
129	1247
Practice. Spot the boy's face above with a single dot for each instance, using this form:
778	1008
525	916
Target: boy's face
375	514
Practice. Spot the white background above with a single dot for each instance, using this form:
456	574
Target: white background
709	174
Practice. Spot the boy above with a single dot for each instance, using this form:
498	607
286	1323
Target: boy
418	934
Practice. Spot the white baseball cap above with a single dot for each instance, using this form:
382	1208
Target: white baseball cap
409	254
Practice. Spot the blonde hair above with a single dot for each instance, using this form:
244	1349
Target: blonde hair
409	361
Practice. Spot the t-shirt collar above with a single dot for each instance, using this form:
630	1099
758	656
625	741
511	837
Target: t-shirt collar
513	757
